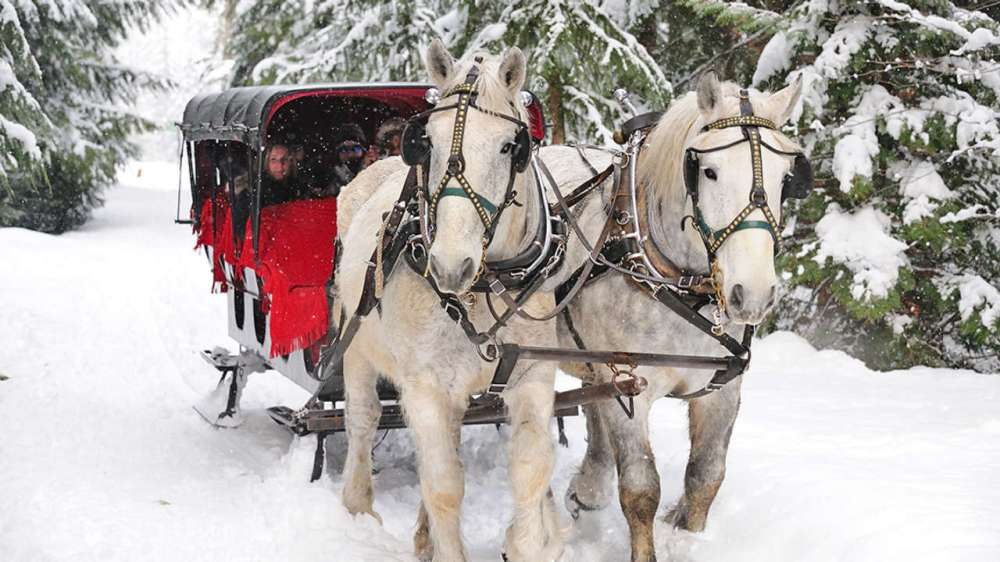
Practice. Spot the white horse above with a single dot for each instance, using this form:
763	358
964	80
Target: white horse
613	314
422	351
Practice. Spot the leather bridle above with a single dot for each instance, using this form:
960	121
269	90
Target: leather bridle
416	152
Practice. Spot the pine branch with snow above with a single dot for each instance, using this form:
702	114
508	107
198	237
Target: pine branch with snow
900	116
63	126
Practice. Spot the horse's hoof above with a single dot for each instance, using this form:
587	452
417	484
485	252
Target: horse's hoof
375	514
371	512
575	506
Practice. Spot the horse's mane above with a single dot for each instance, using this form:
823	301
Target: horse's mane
493	94
661	167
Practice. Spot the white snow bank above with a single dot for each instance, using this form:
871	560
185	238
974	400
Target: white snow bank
861	241
153	174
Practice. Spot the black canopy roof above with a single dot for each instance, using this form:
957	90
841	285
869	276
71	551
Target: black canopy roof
241	113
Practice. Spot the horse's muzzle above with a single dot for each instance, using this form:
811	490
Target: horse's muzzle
749	307
456	279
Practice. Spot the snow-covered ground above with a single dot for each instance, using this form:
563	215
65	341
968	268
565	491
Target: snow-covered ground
102	457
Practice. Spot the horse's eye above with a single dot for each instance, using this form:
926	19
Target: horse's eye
507	148
710	174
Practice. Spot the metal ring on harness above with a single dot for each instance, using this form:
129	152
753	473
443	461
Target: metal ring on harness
492	351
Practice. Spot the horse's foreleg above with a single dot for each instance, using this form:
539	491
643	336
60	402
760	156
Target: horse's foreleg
710	425
638	481
535	534
422	545
431	416
363	410
590	489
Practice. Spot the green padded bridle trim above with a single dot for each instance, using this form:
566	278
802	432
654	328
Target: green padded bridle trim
459	192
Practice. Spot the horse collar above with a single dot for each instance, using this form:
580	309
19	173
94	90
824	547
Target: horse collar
642	252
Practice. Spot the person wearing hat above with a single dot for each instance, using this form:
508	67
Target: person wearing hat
349	151
388	141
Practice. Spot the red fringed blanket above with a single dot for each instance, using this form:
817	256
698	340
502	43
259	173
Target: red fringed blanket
295	262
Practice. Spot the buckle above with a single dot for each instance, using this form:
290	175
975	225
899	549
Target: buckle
452	309
497	287
685	281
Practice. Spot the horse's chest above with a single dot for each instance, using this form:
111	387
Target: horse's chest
420	340
611	315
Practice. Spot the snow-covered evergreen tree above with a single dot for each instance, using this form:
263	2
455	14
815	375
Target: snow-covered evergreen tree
21	116
896	257
579	50
337	40
63	104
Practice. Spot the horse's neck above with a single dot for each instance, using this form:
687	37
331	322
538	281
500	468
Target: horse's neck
517	224
672	235
664	224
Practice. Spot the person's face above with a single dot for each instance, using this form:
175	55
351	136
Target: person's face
394	143
349	151
279	163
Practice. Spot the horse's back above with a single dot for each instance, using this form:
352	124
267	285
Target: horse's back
361	188
370	195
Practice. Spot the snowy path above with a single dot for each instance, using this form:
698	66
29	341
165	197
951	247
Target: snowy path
102	457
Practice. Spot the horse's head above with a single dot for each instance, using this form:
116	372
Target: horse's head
476	144
737	169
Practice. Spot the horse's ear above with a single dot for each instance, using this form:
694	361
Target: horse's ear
781	105
439	62
512	69
709	92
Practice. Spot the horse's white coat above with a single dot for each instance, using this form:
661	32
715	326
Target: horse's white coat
426	355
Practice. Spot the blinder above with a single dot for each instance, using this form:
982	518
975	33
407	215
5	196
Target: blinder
797	184
416	149
416	145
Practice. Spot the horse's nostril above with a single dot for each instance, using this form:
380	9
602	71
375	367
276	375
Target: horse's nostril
736	297
468	268
773	297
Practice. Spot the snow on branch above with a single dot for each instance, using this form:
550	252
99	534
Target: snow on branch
861	242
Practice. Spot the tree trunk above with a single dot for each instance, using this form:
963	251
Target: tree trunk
224	33
646	32
554	109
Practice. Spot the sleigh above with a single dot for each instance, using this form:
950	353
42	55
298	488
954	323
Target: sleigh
273	262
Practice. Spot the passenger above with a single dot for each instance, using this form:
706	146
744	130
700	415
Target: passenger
280	183
389	137
350	151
